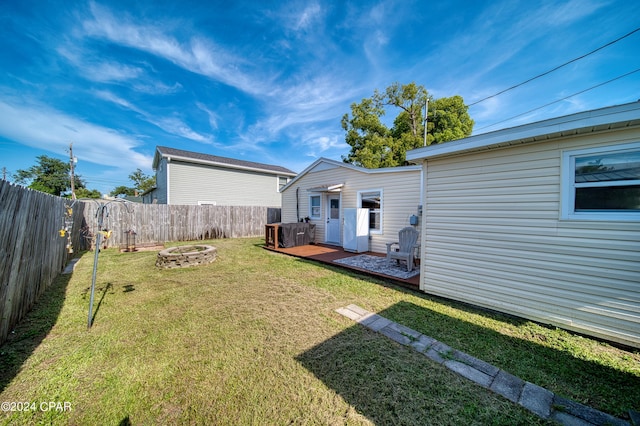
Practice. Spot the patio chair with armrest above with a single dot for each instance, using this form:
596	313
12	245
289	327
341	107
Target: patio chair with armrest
404	248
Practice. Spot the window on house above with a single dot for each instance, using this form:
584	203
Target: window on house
314	207
602	183
372	200
282	182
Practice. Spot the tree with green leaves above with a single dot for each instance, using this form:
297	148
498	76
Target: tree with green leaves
374	145
50	175
448	120
87	193
141	183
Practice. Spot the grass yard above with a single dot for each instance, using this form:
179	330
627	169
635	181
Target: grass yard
253	338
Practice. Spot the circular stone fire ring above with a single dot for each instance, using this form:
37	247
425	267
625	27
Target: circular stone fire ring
186	256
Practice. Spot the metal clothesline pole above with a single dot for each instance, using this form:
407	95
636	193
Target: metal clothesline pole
102	208
100	215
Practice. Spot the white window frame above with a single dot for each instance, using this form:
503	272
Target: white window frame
373	230
568	185
279	186
319	215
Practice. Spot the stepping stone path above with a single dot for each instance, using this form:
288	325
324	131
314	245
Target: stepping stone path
536	399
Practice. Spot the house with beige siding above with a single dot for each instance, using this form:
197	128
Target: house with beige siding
185	177
325	190
541	221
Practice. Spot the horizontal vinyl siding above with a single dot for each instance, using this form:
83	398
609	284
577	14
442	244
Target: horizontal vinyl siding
494	238
190	183
161	183
401	197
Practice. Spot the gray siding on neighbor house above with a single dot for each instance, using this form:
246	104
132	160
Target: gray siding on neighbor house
160	193
493	237
400	200
191	183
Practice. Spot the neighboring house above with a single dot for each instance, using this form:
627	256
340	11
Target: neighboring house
541	221
185	177
326	188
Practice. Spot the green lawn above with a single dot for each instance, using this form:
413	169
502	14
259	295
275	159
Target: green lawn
253	338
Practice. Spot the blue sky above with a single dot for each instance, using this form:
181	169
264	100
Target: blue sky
269	81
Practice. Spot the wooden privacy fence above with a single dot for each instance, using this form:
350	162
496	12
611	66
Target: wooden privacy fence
33	252
155	223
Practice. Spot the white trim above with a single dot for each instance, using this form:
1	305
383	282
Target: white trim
568	185
168	182
327	188
207	203
311	216
359	205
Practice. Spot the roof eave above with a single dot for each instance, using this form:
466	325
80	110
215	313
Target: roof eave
604	119
226	165
351	167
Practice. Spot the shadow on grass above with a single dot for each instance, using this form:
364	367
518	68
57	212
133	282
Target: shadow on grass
103	292
589	383
539	353
391	384
31	330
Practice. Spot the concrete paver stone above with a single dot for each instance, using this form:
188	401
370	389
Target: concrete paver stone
536	399
377	323
588	414
395	335
507	385
423	343
348	313
357	309
469	372
476	363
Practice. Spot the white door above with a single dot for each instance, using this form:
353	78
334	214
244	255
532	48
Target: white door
333	219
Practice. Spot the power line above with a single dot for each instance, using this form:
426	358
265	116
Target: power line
563	99
555	69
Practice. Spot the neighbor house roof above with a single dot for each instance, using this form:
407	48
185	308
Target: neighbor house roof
214	160
598	120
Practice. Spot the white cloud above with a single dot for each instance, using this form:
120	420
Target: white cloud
99	70
178	127
157	88
173	125
213	117
196	54
42	127
309	16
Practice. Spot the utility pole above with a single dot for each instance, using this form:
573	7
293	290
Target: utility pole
426	110
4	173
72	161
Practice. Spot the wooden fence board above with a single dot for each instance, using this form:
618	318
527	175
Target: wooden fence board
32	253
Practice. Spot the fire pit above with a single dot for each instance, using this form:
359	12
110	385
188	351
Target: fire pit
186	256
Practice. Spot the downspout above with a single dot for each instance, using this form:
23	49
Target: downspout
297	205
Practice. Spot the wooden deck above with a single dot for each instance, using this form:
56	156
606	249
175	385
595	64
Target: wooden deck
324	253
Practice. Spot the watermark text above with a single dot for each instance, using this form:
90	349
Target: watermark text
58	406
